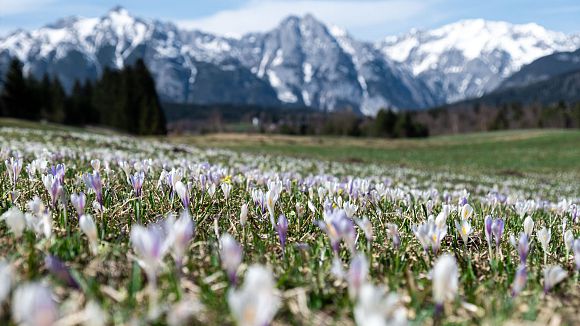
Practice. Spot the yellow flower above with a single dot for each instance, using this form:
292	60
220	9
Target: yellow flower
227	179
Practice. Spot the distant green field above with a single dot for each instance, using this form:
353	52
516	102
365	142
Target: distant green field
547	152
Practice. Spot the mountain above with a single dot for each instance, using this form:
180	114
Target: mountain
299	63
561	88
81	48
472	57
544	68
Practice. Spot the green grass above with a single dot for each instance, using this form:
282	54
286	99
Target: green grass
548	152
311	294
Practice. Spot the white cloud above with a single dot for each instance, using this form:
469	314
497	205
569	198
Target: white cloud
350	14
13	7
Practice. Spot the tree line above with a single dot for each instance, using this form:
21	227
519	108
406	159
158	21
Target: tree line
124	100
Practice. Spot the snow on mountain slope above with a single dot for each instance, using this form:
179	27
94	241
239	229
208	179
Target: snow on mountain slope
472	57
301	62
298	63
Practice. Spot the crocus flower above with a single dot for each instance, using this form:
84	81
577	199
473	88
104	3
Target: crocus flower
445	280
60	271
94	182
436	235
15	220
552	276
40	221
338	227
466	212
422	233
179	233
497	230
244	214
256	302
53	186
520	280
357	274
79	202
441	218
226	189
487	229
32	304
271	198
350	209
89	228
464	229
568	241
5	280
430	235
529	226
577	253
282	229
183	192
231	256
150	247
14	167
544	236
523	248
367	228
374	307
393	231
137	182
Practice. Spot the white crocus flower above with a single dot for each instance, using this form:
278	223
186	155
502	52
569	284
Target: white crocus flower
226	189
180	232
464	229
466	212
15	220
150	246
244	214
544	236
32	305
568	240
445	279
5	280
89	228
350	209
552	276
256	302
528	226
377	308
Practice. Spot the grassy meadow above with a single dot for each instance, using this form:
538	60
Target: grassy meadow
105	229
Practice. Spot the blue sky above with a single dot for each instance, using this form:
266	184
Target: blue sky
365	19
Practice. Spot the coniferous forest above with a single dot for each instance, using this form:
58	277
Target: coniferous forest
125	100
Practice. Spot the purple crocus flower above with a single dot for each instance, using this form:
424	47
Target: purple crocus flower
231	256
53	186
94	182
338	227
488	227
282	229
60	271
79	202
523	248
520	280
137	182
497	230
58	172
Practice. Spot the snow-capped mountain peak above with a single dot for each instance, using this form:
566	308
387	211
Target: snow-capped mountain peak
301	62
488	51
